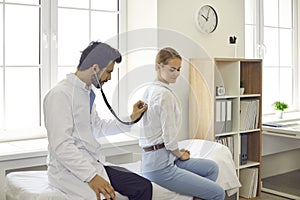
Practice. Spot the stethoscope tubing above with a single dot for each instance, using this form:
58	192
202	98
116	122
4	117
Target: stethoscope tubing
113	112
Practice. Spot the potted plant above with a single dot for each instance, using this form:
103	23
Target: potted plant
280	107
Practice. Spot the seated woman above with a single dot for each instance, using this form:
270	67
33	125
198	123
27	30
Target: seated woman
162	162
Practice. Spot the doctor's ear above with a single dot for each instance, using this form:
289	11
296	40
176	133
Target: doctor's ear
94	67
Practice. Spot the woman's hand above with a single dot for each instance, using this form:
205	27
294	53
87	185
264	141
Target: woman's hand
182	154
185	154
138	108
100	185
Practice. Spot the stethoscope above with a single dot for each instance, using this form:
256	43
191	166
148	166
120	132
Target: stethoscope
98	85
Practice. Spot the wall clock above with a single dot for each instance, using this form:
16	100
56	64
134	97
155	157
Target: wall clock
206	19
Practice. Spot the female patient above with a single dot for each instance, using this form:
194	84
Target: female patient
162	161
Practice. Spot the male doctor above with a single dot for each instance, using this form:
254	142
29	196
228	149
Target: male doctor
73	124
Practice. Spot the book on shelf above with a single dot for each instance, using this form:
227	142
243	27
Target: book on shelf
249	114
223	116
228	118
248	179
228	142
255	184
244	149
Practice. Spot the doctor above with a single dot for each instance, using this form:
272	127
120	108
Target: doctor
73	124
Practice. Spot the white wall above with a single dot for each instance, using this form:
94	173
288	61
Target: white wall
141	15
179	16
138	48
174	21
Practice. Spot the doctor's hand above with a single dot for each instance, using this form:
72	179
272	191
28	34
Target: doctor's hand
100	185
138	108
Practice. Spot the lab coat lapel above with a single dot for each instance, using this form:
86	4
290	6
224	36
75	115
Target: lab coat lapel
81	115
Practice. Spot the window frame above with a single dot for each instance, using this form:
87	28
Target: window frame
49	64
5	66
259	48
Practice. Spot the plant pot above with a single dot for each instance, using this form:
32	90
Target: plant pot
242	90
279	114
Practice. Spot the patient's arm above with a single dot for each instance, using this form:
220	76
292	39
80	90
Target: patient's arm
182	154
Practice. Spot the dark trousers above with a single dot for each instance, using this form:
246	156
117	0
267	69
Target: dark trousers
129	184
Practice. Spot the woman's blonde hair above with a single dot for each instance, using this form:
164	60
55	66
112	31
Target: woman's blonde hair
165	54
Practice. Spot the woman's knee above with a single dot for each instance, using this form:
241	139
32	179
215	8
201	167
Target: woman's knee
214	171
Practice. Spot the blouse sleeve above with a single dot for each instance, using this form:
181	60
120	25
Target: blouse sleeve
168	121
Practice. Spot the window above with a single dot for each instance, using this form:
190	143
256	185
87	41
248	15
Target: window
39	46
270	34
20	64
88	20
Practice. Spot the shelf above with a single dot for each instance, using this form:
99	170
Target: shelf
249	95
229	59
249	131
227	134
249	164
255	198
206	110
227	97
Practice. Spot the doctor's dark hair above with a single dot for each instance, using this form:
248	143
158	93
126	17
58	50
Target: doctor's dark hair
86	52
165	54
102	55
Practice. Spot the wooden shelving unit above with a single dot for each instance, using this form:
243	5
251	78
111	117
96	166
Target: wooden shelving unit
205	76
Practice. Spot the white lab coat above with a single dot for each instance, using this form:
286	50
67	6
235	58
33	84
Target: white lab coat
74	153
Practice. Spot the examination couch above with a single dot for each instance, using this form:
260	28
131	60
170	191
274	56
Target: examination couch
33	185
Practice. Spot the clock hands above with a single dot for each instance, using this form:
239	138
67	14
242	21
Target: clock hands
206	18
207	14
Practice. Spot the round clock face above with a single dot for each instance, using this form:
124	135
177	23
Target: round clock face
206	19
